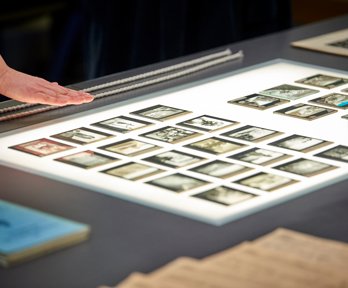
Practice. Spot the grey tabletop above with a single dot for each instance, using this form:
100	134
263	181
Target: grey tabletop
127	237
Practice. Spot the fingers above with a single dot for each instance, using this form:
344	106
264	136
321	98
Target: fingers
74	97
61	99
54	94
44	98
78	97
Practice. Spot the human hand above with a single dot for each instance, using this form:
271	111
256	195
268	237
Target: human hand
30	89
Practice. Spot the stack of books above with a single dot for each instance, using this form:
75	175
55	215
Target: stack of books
282	258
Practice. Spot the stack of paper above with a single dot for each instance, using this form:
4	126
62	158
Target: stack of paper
283	258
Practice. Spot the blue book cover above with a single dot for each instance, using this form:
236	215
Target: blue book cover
26	232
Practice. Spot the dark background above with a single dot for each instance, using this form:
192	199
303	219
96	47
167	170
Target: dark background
73	41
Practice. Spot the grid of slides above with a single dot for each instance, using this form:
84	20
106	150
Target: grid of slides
196	159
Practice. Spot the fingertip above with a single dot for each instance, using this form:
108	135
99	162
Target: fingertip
89	98
86	96
79	100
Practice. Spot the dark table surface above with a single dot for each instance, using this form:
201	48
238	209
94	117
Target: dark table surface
127	237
